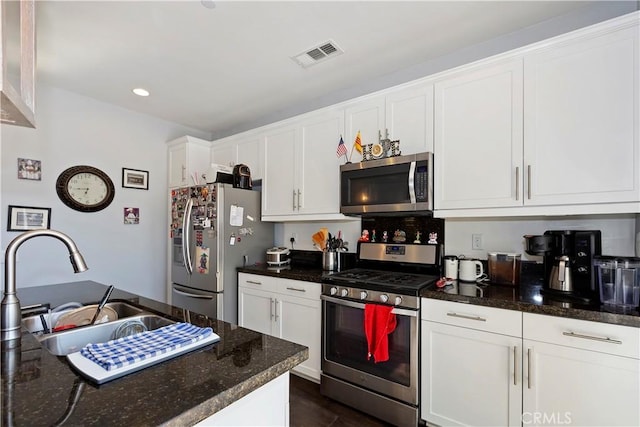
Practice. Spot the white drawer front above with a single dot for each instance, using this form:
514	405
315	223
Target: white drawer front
298	288
583	334
256	281
496	320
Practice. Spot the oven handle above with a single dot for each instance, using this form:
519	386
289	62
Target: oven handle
353	304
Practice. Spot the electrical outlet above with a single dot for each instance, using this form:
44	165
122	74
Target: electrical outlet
476	241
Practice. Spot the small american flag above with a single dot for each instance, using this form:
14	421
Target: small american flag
341	150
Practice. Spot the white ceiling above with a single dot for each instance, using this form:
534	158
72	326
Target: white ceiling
222	68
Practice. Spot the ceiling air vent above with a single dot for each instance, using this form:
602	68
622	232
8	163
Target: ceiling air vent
317	54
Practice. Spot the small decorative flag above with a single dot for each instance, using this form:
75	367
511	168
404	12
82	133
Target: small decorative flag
358	143
341	150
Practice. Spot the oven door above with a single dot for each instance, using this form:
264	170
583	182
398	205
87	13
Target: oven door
344	350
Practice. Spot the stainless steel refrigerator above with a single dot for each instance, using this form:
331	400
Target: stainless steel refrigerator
215	228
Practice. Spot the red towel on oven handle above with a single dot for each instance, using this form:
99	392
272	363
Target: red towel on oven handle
379	322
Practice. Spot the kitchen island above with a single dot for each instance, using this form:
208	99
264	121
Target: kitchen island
182	391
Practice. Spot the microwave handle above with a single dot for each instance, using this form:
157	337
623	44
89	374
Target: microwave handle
412	185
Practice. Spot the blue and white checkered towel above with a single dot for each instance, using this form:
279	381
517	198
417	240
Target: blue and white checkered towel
134	348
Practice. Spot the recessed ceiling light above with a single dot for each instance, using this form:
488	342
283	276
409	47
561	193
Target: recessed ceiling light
209	4
141	92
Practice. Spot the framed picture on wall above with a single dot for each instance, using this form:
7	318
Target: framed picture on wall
134	178
23	218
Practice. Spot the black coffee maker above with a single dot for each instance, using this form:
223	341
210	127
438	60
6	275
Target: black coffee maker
568	262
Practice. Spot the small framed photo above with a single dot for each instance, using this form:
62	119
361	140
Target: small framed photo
133	178
29	169
23	218
132	215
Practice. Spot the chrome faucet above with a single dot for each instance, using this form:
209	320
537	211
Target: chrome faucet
10	309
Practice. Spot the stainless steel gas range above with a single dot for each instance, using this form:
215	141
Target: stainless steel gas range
370	329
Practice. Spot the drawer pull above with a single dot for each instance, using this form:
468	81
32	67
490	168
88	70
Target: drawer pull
254	283
464	316
589	337
297	290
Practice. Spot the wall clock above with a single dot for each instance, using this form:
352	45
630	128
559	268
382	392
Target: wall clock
85	188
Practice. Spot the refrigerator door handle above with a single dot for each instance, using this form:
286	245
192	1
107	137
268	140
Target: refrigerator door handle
186	236
187	294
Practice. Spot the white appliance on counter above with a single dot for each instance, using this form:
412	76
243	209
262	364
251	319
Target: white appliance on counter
215	228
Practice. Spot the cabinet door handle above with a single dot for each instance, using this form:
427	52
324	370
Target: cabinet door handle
271	307
184	173
297	290
590	337
298	199
515	365
517	182
294	200
529	366
254	282
529	182
464	316
276	304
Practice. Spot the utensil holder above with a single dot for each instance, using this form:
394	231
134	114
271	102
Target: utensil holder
331	261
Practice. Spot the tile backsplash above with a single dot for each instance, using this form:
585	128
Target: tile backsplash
497	234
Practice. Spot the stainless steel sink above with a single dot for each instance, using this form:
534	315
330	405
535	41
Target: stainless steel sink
123	309
72	340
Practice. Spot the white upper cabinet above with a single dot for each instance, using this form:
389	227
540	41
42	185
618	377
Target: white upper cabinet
478	138
246	149
405	113
409	118
302	171
279	191
552	129
367	117
188	160
251	153
18	56
581	120
224	153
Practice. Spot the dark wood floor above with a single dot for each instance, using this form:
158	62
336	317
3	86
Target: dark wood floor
310	409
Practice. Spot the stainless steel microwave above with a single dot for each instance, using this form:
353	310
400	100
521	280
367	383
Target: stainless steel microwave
391	185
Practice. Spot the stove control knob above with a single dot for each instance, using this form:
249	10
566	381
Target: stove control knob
384	297
398	301
333	290
363	295
344	292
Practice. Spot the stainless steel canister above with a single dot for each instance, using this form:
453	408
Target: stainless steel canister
331	260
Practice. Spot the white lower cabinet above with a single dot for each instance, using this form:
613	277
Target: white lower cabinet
580	373
284	308
470	375
560	371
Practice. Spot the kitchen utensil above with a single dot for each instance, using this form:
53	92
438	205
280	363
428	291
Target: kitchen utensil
319	239
618	280
331	260
451	267
102	303
561	277
83	316
470	270
504	268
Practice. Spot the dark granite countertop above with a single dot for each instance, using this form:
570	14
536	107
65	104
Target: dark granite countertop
307	274
177	392
527	297
530	297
